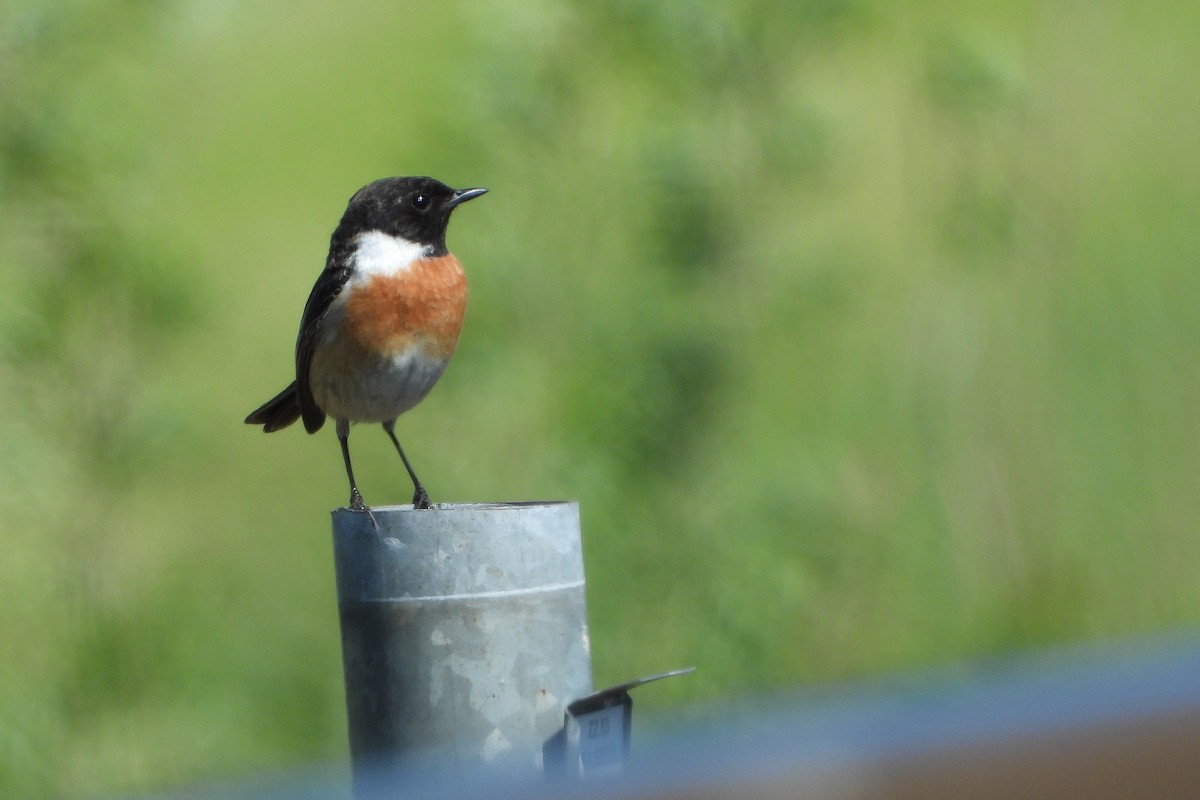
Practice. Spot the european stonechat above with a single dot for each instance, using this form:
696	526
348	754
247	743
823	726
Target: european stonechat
382	320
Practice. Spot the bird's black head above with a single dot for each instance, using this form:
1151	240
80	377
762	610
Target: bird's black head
416	208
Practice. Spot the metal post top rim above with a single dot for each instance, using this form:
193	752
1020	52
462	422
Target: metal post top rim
456	549
460	508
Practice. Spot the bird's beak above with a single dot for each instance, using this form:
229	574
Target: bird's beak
463	195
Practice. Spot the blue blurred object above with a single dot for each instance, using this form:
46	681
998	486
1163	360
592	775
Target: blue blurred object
1099	721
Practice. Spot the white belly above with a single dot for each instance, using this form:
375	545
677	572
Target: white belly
378	390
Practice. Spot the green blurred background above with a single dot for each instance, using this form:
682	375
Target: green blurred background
865	333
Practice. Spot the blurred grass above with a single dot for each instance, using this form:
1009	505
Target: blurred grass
865	336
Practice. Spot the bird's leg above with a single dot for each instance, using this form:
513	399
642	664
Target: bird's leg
420	496
356	498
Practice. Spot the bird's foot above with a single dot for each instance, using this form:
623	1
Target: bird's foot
357	505
421	498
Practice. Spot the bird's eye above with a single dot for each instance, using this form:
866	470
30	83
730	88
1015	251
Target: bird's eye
421	202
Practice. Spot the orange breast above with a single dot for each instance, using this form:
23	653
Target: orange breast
423	304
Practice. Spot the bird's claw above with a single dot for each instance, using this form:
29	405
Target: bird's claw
357	505
421	498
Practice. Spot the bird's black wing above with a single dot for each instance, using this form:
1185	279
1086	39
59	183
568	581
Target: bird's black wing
328	286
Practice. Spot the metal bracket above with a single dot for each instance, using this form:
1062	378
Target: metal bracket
596	731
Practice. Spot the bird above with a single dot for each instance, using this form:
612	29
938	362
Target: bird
382	320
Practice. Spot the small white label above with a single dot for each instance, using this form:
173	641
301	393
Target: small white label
602	738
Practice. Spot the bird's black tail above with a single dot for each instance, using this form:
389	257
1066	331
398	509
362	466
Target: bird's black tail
280	411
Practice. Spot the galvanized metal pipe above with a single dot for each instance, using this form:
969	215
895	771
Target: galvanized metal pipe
464	632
